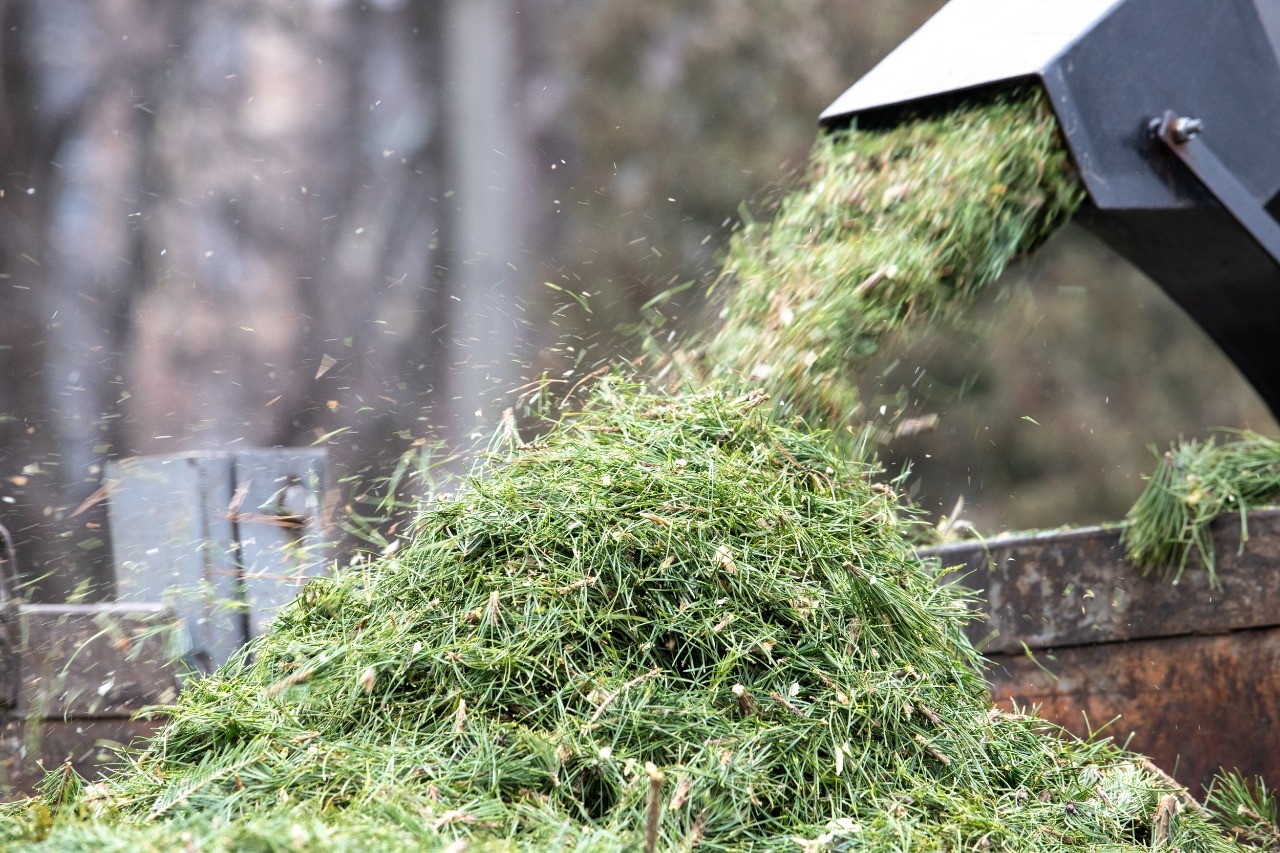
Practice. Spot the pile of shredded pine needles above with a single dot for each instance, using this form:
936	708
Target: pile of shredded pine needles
670	623
1195	483
675	620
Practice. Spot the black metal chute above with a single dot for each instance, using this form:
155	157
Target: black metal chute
1171	111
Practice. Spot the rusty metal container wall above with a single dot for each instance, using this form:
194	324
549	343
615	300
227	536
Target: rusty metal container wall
1189	672
87	670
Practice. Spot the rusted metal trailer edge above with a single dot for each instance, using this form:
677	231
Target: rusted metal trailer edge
1186	673
86	670
1052	590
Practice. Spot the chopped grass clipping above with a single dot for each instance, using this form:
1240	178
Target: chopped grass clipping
671	623
1195	483
891	228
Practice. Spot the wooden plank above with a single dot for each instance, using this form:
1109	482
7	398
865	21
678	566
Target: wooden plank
1074	588
279	527
173	542
1192	704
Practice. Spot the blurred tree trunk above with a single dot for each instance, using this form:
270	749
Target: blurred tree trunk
487	163
293	236
79	87
236	223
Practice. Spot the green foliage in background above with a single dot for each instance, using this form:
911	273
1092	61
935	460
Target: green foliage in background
671	622
678	112
892	228
1050	391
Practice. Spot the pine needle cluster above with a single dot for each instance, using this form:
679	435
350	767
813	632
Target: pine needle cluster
1195	483
1248	809
671	623
892	227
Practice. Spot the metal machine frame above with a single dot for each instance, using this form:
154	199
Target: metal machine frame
1171	111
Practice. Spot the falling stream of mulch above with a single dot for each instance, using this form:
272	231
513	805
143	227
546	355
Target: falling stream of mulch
891	229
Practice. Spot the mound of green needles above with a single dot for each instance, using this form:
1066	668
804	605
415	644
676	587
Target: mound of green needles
671	615
675	620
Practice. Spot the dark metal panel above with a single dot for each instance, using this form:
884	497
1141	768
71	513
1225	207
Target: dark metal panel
1127	63
970	44
1181	136
1215	272
1056	590
1212	61
1192	704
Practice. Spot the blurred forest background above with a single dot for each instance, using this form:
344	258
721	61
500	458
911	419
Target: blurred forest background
277	222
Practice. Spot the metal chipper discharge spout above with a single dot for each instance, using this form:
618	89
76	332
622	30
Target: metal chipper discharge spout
1171	111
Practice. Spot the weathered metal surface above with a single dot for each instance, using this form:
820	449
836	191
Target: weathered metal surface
98	660
86	671
173	541
28	750
1192	673
225	539
1193	704
1066	589
279	528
